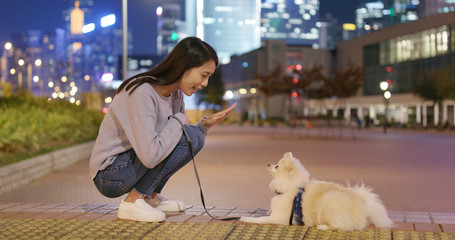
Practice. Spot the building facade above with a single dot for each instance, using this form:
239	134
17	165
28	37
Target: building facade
242	86
231	27
399	54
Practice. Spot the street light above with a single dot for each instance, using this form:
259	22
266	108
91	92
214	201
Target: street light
384	85
6	52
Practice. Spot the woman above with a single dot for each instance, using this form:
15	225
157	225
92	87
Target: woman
139	145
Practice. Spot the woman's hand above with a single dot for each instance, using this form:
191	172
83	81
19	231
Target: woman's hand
218	117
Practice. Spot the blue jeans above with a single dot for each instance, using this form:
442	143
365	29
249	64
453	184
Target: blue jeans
127	171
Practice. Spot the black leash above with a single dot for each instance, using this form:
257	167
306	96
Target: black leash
187	136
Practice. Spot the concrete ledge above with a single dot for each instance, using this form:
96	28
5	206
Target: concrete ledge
21	173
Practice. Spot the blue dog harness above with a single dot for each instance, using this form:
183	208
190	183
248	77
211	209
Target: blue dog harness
296	213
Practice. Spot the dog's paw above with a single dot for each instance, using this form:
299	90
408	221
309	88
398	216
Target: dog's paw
322	227
247	219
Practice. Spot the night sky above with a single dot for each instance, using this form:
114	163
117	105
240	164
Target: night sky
21	15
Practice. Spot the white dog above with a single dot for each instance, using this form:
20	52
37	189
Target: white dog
325	205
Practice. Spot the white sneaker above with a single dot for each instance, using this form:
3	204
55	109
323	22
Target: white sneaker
139	211
166	205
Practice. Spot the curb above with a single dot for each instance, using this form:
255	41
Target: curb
21	173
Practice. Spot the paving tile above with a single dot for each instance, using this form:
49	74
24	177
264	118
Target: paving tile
23	215
427	227
68	215
443	218
224	208
193	212
44	207
417	213
88	207
107	217
245	210
217	212
442	214
46	215
22	207
79	209
67	207
403	226
99	210
88	216
223	221
241	214
5	206
448	228
199	219
418	220
445	221
7	214
180	218
397	219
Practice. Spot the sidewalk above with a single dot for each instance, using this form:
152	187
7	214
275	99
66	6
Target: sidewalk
99	221
65	204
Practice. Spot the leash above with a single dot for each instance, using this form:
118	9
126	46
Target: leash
188	140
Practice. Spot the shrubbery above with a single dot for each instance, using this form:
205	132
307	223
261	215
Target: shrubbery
31	126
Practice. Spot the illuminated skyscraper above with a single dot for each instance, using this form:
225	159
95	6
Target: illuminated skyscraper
431	7
231	27
292	20
168	16
375	15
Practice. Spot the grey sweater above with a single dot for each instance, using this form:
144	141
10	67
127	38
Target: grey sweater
140	121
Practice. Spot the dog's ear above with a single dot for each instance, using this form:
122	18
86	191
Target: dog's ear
288	164
288	155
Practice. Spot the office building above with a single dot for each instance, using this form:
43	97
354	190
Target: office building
295	21
431	7
399	54
231	27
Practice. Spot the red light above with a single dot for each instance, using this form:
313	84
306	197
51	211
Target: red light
298	67
105	110
294	94
388	69
292	67
295	80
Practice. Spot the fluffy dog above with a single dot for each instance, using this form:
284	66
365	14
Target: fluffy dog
324	205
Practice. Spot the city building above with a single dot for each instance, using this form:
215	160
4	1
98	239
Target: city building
231	27
398	54
431	7
373	16
241	85
330	32
291	20
168	27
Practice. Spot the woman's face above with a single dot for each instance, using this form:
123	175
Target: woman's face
196	78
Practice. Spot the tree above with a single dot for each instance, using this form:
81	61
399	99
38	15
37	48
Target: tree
312	82
343	84
212	95
436	85
273	83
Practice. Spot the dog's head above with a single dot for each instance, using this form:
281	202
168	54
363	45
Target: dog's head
288	175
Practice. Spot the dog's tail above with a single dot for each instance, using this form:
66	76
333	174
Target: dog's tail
375	209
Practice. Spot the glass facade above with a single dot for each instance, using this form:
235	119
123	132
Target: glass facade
231	27
426	44
399	59
292	20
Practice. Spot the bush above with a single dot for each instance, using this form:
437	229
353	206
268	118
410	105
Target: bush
30	126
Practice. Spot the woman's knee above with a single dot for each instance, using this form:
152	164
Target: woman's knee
197	137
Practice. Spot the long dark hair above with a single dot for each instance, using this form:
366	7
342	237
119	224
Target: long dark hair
188	53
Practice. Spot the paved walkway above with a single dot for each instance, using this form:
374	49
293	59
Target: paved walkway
411	171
